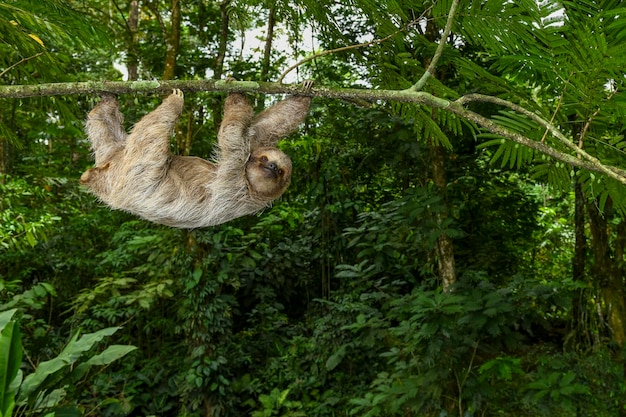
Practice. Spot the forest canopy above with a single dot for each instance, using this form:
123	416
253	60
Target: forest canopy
451	244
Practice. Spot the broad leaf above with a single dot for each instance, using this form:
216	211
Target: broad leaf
10	360
69	355
110	354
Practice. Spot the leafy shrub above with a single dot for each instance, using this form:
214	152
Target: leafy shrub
46	388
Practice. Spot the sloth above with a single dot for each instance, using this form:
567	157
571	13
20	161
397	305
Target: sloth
137	173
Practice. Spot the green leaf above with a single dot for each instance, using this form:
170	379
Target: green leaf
538	385
52	399
31	239
266	401
10	361
5	317
336	358
74	349
282	397
567	379
68	411
110	354
72	352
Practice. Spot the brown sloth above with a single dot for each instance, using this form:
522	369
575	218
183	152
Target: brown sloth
136	172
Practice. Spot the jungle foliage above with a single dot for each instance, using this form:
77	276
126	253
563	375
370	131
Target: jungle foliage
332	302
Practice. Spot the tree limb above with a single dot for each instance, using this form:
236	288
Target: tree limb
457	107
347	48
545	124
20	62
442	42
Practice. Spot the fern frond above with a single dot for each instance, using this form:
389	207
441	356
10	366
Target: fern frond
557	174
501	27
508	152
597	188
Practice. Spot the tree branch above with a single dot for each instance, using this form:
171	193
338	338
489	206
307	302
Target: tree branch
347	48
20	62
545	124
457	107
442	42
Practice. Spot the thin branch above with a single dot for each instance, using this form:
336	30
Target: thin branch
611	172
218	68
442	42
346	48
461	384
20	62
556	111
269	39
457	107
558	106
154	8
583	132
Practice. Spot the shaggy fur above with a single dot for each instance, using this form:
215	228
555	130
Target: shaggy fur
137	173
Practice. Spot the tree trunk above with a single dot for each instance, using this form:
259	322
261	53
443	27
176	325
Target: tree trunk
132	62
4	154
3	157
221	49
444	247
267	54
184	141
218	69
607	273
6	147
579	327
173	42
267	51
580	245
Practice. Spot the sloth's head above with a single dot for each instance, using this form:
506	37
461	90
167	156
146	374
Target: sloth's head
268	171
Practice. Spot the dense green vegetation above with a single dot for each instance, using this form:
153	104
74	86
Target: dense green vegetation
417	265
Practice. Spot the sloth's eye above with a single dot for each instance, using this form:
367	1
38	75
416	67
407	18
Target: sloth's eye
264	158
280	172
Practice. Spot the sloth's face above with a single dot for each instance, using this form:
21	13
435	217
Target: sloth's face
269	172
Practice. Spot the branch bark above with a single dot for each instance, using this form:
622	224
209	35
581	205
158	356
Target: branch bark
172	42
430	71
417	97
132	60
223	44
267	51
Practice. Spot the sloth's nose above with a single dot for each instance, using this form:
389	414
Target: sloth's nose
272	166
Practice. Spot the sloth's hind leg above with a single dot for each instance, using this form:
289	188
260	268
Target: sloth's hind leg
105	131
149	141
232	135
